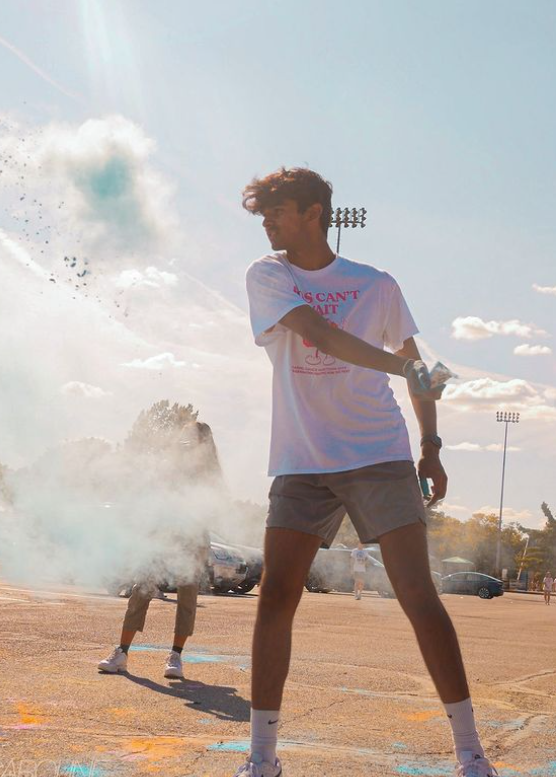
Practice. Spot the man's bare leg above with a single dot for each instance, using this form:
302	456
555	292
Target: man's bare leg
179	641
288	558
405	556
127	637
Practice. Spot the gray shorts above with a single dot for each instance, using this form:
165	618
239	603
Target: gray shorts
377	498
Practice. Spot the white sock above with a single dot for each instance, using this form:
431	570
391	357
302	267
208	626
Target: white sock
264	734
464	731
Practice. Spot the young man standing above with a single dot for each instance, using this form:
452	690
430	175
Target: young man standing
339	444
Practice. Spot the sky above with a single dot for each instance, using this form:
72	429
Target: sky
127	132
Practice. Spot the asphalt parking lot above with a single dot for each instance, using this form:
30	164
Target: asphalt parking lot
358	700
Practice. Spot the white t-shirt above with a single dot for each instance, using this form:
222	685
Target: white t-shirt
327	415
548	583
360	558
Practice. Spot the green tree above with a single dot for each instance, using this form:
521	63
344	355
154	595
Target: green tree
548	513
162	426
170	445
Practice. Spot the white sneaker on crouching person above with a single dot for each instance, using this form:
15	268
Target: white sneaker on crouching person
174	667
116	662
473	765
256	767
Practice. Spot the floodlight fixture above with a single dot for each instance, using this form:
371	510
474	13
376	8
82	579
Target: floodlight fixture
347	217
505	418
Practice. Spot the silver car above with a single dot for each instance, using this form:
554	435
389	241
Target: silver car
332	571
226	568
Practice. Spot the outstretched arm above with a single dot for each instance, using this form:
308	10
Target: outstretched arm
307	323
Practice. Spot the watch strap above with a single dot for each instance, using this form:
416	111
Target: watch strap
432	438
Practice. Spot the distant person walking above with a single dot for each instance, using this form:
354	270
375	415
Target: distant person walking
547	586
359	560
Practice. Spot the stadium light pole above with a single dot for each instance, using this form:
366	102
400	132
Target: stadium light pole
506	419
347	217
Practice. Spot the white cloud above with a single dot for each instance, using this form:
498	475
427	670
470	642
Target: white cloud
160	362
454	508
532	350
77	388
475	328
473	447
464	446
545	289
497	447
488	395
151	278
486	389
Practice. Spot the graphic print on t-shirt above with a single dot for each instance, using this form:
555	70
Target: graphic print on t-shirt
329	417
328	304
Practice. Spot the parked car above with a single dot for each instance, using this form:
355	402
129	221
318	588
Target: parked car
253	558
472	583
332	571
225	570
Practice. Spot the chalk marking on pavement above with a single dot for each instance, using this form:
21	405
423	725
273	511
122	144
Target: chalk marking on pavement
192	657
416	767
81	770
39	592
13	599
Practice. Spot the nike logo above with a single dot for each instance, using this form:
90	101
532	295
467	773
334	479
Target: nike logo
272	722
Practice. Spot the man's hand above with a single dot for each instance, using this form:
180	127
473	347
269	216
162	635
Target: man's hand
419	380
431	467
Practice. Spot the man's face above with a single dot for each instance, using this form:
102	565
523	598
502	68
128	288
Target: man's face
284	225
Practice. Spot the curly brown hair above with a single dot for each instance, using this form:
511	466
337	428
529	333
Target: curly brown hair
298	183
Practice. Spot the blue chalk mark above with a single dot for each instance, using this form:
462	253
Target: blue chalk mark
207	721
149	648
241	746
81	770
188	658
422	771
399	746
359	691
197	658
551	766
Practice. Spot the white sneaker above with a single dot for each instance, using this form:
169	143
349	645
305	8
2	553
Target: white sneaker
472	765
116	662
254	767
173	666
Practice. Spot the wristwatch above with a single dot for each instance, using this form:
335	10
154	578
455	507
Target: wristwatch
433	438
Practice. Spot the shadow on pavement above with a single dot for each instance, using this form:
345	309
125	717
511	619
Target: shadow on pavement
218	700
